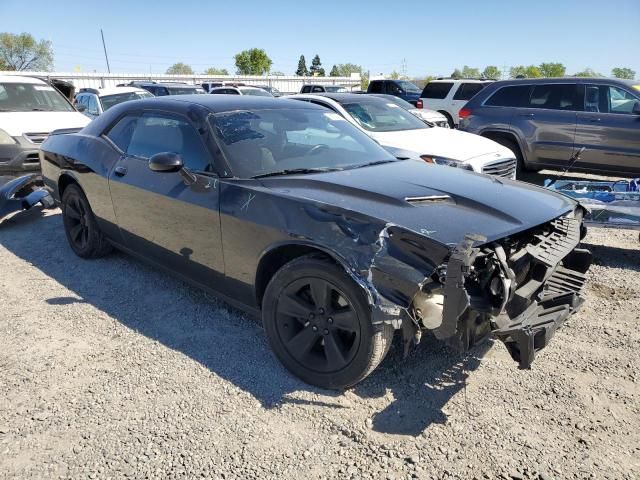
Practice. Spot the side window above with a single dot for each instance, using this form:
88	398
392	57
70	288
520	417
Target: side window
608	99
393	89
560	96
317	89
468	90
306	89
437	90
92	106
161	91
376	87
514	96
121	132
156	133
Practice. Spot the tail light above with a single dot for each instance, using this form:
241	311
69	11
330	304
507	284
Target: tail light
419	103
464	112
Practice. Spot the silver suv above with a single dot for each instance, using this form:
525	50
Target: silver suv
544	121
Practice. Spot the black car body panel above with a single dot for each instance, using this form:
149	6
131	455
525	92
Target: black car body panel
393	227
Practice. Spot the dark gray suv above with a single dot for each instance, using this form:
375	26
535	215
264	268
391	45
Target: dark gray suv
544	121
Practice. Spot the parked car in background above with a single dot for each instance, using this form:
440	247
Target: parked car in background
208	86
272	90
448	96
398	88
95	101
430	116
545	121
160	89
255	91
405	136
29	110
290	212
323	88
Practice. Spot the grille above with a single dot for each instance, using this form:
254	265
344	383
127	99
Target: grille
552	248
32	158
35	137
443	124
503	168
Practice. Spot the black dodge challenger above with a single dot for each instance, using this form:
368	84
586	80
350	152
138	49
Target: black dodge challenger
285	210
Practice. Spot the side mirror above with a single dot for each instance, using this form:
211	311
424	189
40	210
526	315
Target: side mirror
80	107
636	109
166	162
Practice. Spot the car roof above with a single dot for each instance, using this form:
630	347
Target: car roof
465	80
101	92
347	97
20	79
226	103
528	81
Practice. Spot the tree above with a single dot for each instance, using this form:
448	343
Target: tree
346	69
552	70
254	61
491	72
527	72
587	72
334	72
302	67
456	74
623	72
179	69
364	81
468	72
216	71
23	52
316	67
394	75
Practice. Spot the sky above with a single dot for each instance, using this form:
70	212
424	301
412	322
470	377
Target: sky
420	38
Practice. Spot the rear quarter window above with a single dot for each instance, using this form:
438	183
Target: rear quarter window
438	90
468	90
512	96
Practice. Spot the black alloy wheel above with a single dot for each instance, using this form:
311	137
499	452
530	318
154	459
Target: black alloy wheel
81	228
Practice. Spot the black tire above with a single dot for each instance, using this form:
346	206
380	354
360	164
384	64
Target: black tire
449	118
318	323
83	233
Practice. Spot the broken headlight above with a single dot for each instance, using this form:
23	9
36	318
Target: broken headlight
449	162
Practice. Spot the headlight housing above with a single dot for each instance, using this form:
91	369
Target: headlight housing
6	139
449	162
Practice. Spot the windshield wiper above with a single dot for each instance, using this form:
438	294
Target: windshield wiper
296	171
379	162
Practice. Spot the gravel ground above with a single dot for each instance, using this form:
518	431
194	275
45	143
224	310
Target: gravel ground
111	369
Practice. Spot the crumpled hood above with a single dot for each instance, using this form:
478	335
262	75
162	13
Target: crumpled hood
473	204
442	142
17	123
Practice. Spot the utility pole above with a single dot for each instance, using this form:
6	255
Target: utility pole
403	69
105	51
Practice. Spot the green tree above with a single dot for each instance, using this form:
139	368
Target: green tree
528	72
456	74
316	67
552	70
334	72
346	69
364	81
623	72
394	75
468	72
587	72
216	71
179	69
302	67
491	72
23	52
254	61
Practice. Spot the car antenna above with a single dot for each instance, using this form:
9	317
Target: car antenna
572	161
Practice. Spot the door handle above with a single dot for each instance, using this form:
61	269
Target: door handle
594	120
529	115
120	171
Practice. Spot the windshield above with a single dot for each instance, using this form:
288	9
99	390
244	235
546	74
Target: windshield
31	97
335	89
274	140
109	101
258	92
408	86
185	90
383	116
398	101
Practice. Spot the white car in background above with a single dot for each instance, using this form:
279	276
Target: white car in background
448	96
424	114
30	109
95	101
241	90
405	136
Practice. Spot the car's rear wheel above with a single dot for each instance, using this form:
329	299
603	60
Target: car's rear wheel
83	233
318	323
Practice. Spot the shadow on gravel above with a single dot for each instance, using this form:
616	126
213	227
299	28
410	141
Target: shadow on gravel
615	257
421	385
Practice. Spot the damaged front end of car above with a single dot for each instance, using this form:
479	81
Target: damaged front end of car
518	289
21	194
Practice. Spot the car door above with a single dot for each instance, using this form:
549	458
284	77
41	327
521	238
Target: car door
609	130
161	217
547	123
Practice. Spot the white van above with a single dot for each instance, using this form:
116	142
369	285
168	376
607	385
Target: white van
30	109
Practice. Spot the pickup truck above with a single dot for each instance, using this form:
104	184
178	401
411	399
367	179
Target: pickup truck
398	88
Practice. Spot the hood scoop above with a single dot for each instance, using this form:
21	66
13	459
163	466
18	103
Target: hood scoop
428	200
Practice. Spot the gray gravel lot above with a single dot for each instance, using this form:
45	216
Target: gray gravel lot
111	369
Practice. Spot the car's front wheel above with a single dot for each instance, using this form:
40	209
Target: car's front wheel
83	232
317	321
